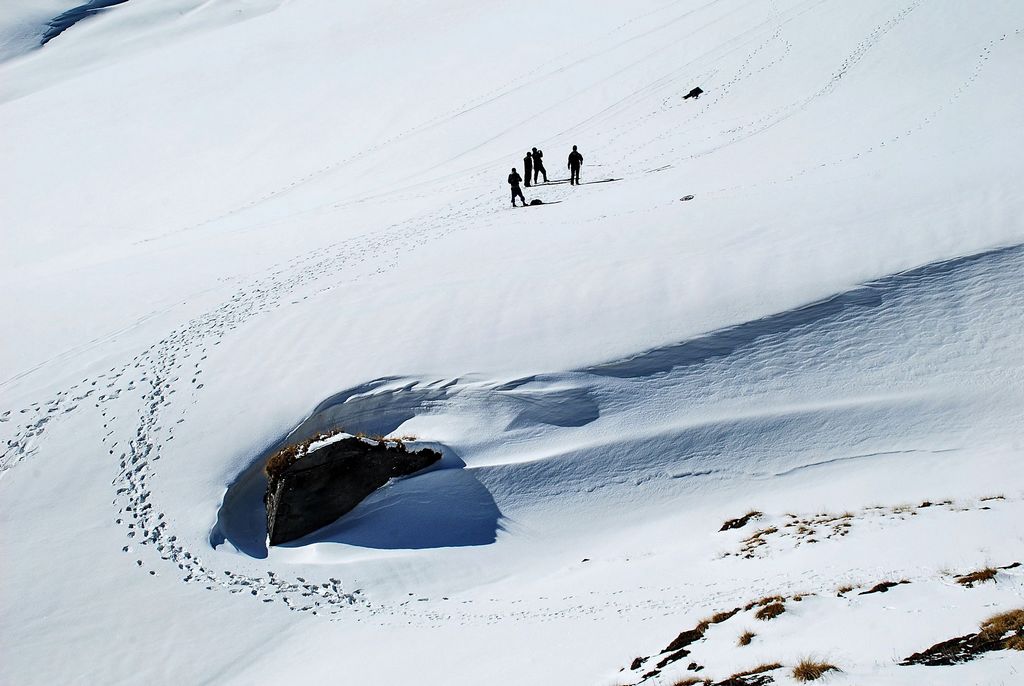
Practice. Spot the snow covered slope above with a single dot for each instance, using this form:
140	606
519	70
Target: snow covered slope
229	225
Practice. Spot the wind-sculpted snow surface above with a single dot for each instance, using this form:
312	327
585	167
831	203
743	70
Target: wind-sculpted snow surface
67	19
237	225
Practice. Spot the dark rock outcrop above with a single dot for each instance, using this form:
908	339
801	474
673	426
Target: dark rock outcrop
1004	631
954	651
883	587
739	522
311	491
747	680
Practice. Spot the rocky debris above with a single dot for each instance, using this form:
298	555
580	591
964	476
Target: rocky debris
748	680
309	490
678	648
953	651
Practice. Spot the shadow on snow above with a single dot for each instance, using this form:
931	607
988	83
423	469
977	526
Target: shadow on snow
730	340
66	20
443	506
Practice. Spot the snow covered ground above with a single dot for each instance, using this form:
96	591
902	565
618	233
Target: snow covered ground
227	225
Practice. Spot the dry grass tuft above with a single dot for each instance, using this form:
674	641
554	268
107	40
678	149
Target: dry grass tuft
845	588
745	638
978	577
812	670
767	667
770	611
767	531
716	618
998	626
761	602
720	617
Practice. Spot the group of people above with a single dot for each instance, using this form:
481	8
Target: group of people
533	168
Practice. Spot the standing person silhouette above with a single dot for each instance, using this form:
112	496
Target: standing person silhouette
514	180
575	162
538	165
528	167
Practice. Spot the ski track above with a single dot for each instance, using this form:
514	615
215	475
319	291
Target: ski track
174	364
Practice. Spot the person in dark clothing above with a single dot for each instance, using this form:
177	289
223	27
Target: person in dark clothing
538	165
514	180
575	162
695	93
528	167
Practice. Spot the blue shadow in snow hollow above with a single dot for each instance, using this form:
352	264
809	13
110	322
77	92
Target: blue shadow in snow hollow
444	506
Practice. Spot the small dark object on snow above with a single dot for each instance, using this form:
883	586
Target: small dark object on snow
695	93
315	490
536	201
686	197
884	587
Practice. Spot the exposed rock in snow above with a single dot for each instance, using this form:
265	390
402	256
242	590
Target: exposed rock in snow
1004	631
331	479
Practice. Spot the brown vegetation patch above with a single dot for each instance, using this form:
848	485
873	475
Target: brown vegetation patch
716	618
1008	626
761	602
812	670
767	667
770	611
978	577
745	638
813	528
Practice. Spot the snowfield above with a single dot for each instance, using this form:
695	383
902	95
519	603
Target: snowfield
228	226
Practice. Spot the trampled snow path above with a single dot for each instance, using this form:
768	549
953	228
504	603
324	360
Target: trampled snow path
175	364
